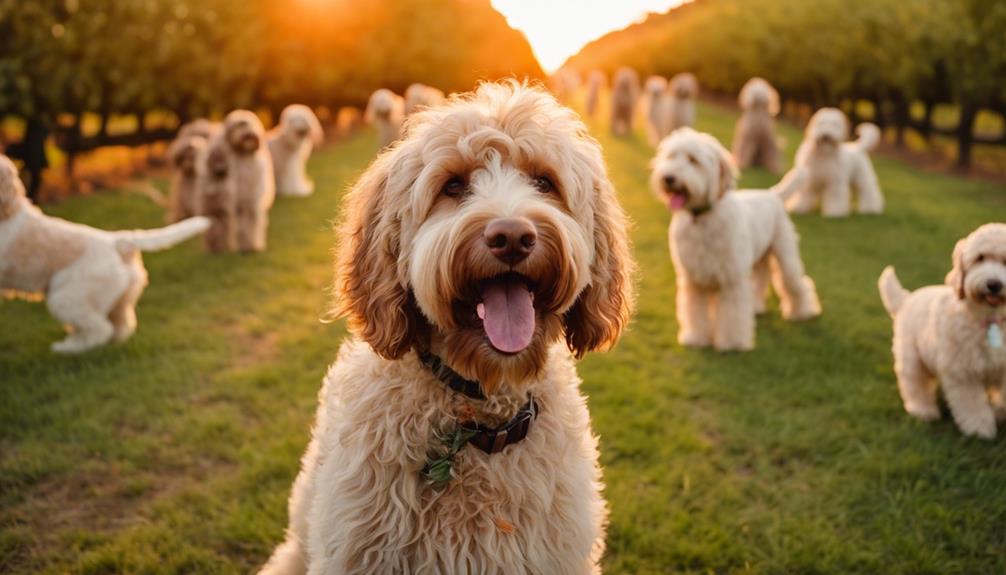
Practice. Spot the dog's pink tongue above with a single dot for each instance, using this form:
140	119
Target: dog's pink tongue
507	312
678	201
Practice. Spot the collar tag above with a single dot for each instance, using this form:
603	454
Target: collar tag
994	335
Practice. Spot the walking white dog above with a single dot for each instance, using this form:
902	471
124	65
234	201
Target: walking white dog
723	245
755	142
624	94
835	167
682	90
290	144
386	110
953	333
452	436
91	278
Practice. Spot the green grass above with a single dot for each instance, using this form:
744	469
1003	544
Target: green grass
175	452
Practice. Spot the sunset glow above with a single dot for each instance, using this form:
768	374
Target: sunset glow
557	29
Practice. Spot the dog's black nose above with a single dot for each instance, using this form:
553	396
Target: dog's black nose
994	286
669	181
511	240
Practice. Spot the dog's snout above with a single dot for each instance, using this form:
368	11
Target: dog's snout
994	286
511	240
669	181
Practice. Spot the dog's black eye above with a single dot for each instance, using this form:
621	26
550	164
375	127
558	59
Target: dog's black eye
454	187
980	258
544	184
693	160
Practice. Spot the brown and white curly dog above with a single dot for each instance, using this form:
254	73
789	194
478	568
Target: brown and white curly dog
726	245
183	153
290	144
216	195
624	95
252	172
953	334
91	278
479	255
754	137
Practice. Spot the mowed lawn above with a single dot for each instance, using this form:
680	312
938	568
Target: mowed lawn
175	452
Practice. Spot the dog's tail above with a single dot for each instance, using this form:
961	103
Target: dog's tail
790	183
891	292
161	238
869	136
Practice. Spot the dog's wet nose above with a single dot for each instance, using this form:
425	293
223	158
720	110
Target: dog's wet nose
511	240
994	286
669	181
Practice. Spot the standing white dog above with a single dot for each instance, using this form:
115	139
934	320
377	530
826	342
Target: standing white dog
290	144
252	171
754	137
723	245
624	94
91	278
954	333
657	120
682	90
835	167
386	110
477	256
596	83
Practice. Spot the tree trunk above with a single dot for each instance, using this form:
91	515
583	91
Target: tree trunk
72	143
965	134
879	117
900	120
927	119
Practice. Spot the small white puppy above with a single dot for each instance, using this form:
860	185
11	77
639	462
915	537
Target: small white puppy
386	110
290	144
835	167
91	278
954	333
726	245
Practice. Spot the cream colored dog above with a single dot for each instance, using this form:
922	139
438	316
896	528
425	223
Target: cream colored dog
835	167
656	98
953	333
596	83
723	245
624	94
290	144
682	90
182	154
755	142
419	96
217	195
386	110
252	171
91	278
476	255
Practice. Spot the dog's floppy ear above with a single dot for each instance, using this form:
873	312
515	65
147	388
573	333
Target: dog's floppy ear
955	278
727	168
604	307
317	133
11	188
368	291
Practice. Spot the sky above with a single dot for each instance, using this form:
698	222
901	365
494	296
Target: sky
557	29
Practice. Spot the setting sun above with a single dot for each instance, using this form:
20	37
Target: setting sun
558	29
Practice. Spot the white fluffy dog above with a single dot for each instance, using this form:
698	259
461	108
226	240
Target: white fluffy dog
682	90
723	245
290	144
954	333
834	167
386	110
91	278
624	94
655	94
596	83
755	142
419	96
182	154
251	168
473	253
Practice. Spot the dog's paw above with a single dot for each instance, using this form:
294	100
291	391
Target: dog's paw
923	412
980	427
694	340
734	346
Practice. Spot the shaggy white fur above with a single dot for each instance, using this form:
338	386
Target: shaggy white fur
834	167
251	169
755	142
724	244
290	144
418	266
656	102
682	90
386	110
953	333
624	94
596	83
419	96
91	278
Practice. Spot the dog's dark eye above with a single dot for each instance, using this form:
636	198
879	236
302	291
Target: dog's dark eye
544	184
693	160
980	258
454	187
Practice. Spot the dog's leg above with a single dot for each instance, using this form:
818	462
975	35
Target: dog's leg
734	319
771	156
91	327
123	314
835	200
997	398
803	201
693	315
915	383
797	293
870	200
760	280
969	404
